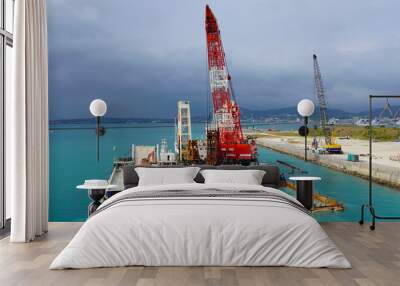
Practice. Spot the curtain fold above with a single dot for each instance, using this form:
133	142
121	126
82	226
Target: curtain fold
27	122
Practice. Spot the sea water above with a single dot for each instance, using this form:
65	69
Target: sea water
73	159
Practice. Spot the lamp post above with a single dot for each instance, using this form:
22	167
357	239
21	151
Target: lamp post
98	108
305	108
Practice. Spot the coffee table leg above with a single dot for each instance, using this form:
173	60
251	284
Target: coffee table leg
96	195
305	193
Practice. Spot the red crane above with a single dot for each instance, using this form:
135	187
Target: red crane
232	146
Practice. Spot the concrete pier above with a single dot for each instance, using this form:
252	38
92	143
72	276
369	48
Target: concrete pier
382	174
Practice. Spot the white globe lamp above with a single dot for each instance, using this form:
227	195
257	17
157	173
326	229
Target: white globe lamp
98	108
305	107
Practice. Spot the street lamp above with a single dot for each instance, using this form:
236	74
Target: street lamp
305	108
98	108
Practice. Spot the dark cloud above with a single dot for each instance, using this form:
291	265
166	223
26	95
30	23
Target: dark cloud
143	56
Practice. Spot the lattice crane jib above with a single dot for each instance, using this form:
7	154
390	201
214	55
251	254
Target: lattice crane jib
320	93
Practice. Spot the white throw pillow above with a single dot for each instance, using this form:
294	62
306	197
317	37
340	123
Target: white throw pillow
166	176
248	177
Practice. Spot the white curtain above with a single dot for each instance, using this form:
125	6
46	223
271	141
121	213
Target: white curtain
27	123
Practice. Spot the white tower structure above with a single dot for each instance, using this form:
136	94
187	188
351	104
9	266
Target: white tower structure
184	132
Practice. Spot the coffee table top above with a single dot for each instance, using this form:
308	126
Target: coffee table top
305	178
86	187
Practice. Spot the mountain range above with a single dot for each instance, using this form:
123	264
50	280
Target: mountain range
291	112
246	114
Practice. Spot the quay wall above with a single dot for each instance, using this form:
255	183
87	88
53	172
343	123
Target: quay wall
386	175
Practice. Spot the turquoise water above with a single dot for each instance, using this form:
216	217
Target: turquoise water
73	159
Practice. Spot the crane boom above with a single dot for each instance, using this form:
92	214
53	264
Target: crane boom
233	147
330	145
320	93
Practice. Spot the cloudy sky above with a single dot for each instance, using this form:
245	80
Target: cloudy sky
143	56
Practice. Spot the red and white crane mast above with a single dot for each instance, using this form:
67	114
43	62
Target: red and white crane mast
233	147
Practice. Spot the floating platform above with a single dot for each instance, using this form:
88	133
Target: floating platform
321	202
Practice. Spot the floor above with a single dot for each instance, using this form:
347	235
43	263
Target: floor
375	257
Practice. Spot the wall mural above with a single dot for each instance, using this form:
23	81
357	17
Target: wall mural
147	85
